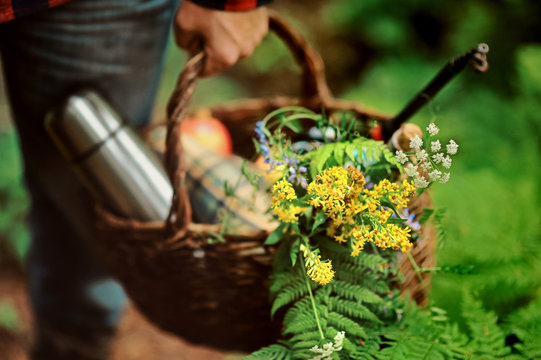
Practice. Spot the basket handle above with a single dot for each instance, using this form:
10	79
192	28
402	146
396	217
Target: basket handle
180	213
315	94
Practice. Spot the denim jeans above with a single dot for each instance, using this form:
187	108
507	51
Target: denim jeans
115	47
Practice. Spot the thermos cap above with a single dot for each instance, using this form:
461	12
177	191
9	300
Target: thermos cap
82	123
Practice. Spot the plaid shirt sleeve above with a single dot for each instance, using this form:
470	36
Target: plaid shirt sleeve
13	9
231	5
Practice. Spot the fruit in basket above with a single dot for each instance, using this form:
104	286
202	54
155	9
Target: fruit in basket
376	133
208	131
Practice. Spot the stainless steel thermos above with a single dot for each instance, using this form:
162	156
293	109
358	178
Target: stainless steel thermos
117	167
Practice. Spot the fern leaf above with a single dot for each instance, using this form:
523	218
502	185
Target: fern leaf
307	336
289	293
303	321
274	352
338	152
402	346
525	324
341	322
487	337
303	354
355	292
352	309
305	344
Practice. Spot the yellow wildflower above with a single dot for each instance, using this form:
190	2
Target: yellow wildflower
341	195
401	237
317	270
283	190
383	215
408	187
382	239
361	235
288	214
320	272
372	203
282	195
336	191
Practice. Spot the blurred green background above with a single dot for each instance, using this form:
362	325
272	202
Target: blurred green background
381	53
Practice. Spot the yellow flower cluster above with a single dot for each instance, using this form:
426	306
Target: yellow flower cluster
288	214
335	191
317	270
356	213
282	196
399	195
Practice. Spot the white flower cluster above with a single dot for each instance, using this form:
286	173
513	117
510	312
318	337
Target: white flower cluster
329	348
426	160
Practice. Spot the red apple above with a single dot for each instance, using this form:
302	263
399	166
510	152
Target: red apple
209	132
375	133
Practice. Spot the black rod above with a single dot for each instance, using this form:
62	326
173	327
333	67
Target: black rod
476	56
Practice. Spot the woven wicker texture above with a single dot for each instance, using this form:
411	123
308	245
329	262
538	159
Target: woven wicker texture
214	294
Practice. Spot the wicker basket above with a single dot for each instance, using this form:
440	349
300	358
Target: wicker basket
216	294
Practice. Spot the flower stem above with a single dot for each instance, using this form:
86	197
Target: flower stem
314	306
417	271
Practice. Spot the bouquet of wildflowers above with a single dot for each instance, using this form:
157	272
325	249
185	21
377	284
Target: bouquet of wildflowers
343	185
341	201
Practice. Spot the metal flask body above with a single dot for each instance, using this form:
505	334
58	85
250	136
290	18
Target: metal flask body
112	161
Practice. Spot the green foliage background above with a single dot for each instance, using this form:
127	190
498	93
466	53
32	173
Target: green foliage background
381	53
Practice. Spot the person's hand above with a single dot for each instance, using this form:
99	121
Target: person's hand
225	36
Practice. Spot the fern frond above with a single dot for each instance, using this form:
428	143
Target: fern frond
530	345
352	309
342	322
487	337
292	291
525	324
403	346
274	352
355	292
303	321
303	354
307	336
302	305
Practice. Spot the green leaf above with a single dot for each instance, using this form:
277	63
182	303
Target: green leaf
395	220
350	151
342	322
425	215
257	145
275	236
274	351
308	212
321	156
390	205
294	125
426	140
339	152
294	251
228	189
320	219
216	237
295	228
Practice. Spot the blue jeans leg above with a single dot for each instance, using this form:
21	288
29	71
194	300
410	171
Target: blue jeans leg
115	47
